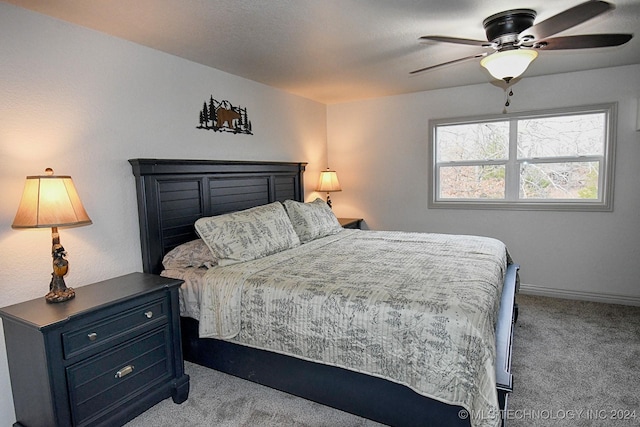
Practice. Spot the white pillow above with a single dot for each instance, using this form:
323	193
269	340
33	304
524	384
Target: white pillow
312	220
191	254
249	234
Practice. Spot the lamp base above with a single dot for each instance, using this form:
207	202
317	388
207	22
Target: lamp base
58	290
329	201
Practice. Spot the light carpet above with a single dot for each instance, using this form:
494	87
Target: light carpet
575	363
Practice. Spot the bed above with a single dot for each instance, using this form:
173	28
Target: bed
174	194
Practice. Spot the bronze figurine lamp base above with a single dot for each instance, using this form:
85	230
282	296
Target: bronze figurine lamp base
58	291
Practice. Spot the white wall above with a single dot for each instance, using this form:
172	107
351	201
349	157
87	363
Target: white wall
83	103
379	149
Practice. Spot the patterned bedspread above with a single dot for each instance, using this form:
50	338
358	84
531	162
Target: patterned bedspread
415	308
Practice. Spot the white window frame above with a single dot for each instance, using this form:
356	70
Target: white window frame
604	202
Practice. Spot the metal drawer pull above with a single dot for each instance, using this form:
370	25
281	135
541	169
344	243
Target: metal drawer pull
124	371
149	314
92	336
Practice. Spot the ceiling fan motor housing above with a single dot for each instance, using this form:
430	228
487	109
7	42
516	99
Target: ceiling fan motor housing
508	23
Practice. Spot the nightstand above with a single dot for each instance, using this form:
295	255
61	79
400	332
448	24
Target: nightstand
350	222
101	358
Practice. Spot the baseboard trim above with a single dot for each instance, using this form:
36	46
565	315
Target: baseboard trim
579	295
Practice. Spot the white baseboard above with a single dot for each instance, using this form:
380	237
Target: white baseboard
579	295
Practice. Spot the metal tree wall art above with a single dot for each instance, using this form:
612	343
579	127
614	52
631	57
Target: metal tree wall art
224	117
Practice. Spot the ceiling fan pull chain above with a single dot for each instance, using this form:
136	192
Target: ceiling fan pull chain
508	97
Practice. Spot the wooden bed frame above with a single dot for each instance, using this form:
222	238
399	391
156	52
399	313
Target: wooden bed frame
173	194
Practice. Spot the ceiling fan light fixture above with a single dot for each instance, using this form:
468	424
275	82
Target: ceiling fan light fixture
509	64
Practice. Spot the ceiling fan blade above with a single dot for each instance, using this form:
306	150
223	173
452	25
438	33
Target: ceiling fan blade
583	42
466	58
567	19
456	40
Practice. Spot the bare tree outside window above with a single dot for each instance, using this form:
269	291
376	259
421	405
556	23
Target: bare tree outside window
550	160
576	138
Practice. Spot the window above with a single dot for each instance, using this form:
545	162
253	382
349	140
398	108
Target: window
554	160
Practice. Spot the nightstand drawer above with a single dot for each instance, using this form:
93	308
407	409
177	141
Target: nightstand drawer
113	329
102	383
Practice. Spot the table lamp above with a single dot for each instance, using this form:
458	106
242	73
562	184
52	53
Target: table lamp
52	201
328	183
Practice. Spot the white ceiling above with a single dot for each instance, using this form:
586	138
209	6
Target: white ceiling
338	50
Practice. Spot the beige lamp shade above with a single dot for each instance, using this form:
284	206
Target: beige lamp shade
50	201
509	64
328	182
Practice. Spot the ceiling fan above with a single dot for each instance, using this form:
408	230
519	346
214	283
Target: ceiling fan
515	39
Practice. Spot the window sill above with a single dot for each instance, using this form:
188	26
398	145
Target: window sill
524	206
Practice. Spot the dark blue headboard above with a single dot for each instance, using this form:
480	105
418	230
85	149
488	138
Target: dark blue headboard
173	194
